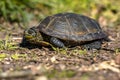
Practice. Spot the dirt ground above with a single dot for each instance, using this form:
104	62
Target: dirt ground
70	64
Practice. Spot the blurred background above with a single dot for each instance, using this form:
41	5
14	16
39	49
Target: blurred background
22	14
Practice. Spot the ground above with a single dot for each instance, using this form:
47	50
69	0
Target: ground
20	63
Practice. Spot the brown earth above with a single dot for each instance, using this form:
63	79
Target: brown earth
70	64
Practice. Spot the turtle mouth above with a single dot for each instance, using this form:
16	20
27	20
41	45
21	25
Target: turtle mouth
32	35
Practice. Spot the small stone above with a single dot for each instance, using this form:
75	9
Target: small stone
53	59
117	59
41	78
62	66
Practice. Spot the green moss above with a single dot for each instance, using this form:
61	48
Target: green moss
2	56
60	74
117	50
85	77
18	56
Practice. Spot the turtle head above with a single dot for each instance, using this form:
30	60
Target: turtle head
32	35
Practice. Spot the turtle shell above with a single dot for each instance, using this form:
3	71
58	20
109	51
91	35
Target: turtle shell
71	26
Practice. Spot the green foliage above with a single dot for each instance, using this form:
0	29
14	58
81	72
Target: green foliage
25	10
16	10
18	56
117	50
81	52
14	56
7	44
57	6
2	56
109	9
60	74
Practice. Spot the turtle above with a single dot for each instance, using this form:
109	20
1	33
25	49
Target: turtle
66	30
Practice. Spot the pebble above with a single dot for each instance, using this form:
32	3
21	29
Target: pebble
117	59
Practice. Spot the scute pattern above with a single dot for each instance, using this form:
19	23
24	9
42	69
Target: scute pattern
73	27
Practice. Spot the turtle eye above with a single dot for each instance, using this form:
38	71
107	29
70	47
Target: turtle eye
31	32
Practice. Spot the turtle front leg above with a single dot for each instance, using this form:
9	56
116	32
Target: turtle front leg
57	42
